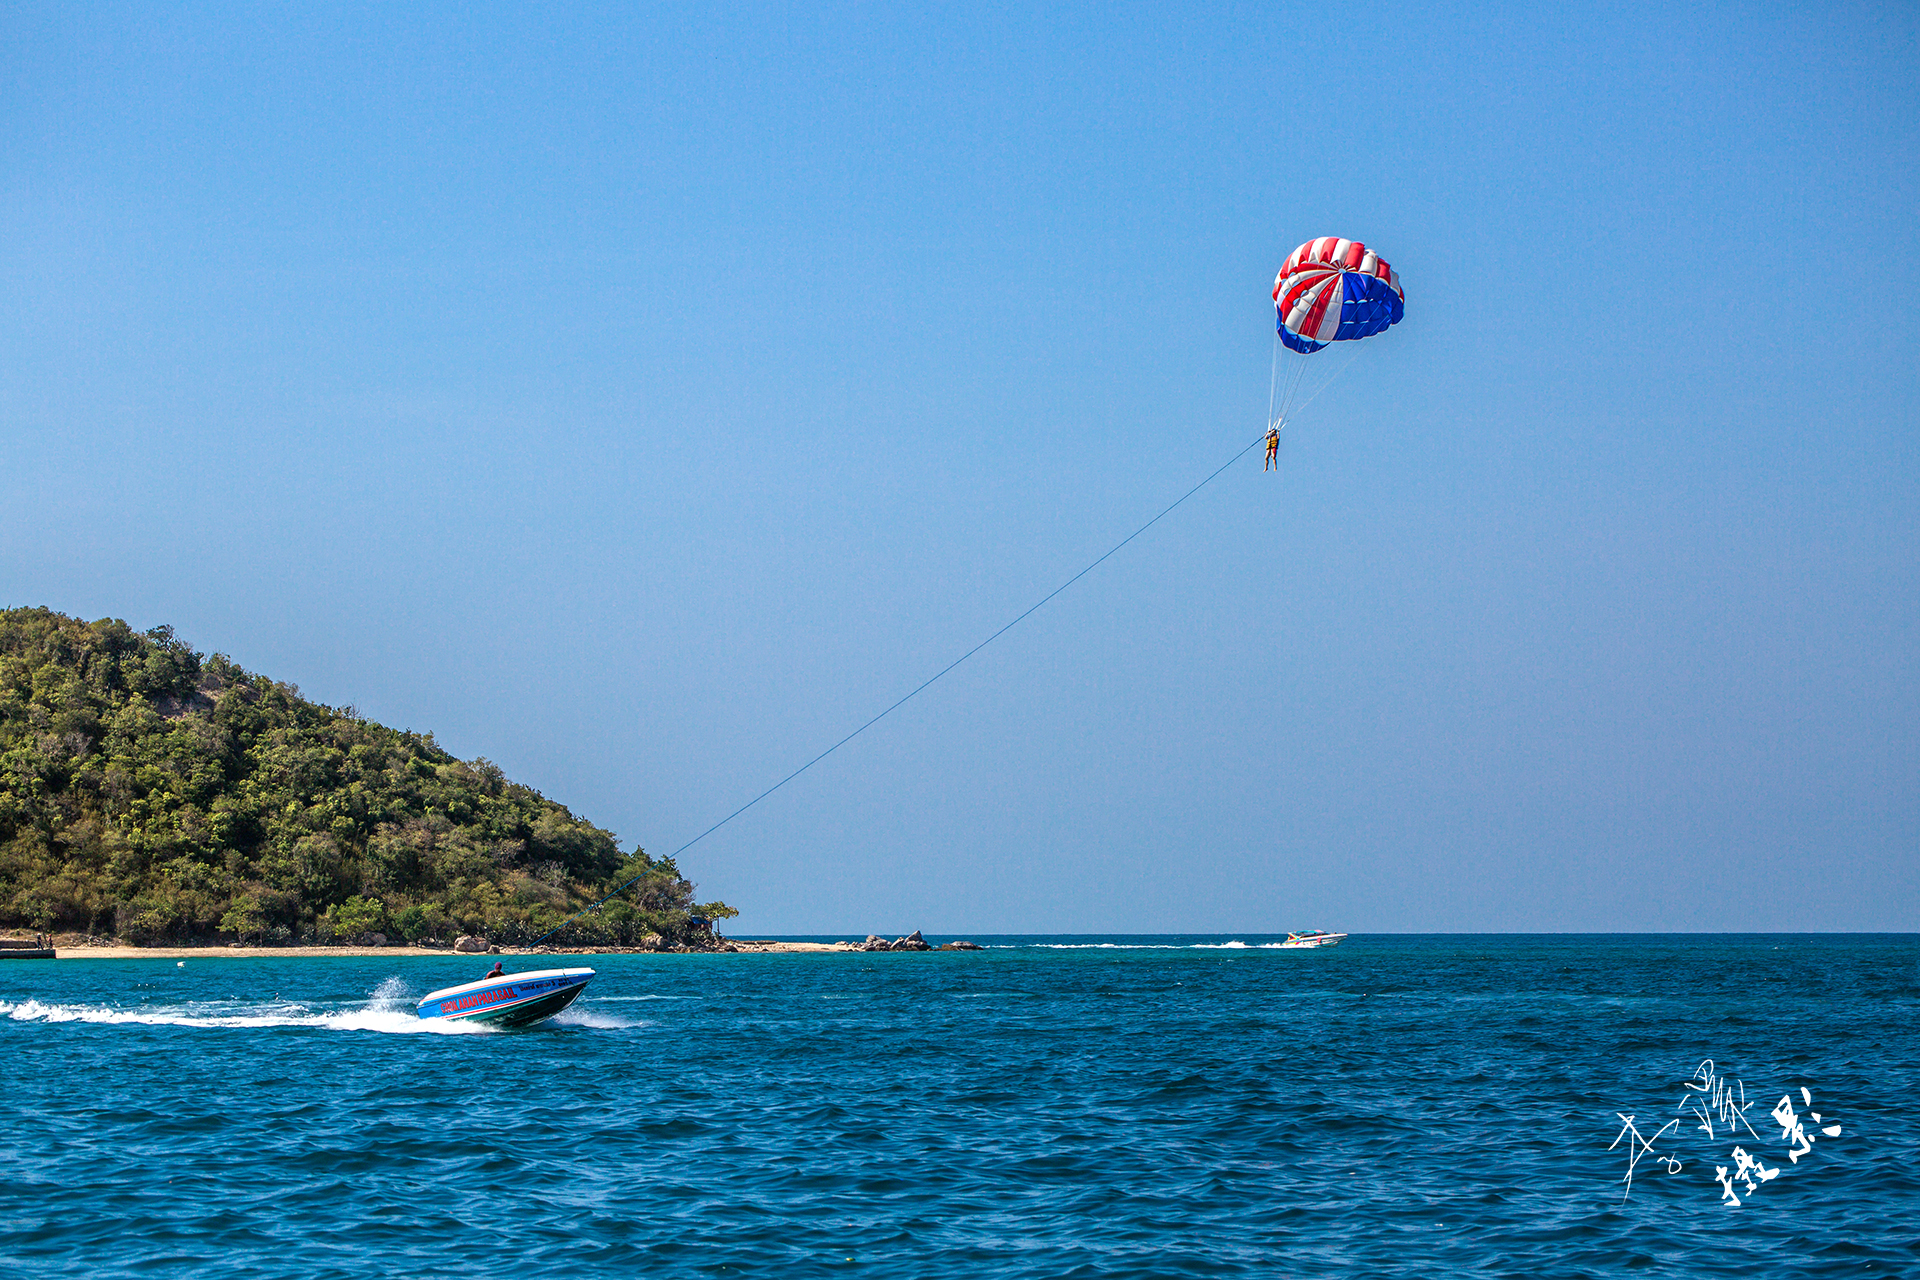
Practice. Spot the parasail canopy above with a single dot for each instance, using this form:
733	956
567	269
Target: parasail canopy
1334	290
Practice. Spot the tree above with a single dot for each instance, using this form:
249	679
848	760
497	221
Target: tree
183	798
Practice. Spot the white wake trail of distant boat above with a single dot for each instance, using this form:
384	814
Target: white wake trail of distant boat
1151	946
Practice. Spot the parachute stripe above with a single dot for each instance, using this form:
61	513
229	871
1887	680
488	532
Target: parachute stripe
1309	316
1331	290
1300	285
1333	309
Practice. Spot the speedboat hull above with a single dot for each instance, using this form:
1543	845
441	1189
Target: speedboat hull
1313	938
515	1000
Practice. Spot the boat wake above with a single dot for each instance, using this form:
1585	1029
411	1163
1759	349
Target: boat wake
388	1010
1097	946
385	1010
1235	945
235	1013
578	1017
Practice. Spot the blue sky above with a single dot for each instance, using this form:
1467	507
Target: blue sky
642	397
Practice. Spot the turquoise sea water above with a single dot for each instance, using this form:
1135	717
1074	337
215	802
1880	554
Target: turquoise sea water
1151	1107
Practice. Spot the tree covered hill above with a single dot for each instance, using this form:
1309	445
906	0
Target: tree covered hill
164	796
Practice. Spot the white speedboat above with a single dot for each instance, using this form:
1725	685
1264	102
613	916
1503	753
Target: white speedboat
509	999
1313	938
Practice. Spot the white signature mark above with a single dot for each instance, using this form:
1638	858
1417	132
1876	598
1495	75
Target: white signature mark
1642	1147
1715	1100
1722	1104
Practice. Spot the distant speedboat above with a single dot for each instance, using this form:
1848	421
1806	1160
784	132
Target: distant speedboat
509	1000
1313	938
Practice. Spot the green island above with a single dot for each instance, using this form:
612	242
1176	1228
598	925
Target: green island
159	796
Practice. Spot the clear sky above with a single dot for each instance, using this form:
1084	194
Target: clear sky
641	397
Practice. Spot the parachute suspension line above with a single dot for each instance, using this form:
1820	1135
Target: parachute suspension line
917	689
1273	382
1303	372
1296	371
1287	382
1331	378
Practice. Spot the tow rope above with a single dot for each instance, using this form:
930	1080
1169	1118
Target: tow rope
917	689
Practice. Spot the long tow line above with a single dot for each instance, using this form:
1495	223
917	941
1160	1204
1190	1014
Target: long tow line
917	689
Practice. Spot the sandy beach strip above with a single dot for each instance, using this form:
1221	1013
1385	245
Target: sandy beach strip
292	953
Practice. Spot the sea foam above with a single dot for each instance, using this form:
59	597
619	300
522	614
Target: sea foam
380	1016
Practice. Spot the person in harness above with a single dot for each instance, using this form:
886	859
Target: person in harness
1273	449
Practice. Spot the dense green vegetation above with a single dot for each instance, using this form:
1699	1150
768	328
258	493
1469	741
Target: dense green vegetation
163	796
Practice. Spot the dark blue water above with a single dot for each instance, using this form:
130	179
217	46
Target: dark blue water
1395	1106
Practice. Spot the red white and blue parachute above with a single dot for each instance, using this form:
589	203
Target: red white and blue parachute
1334	290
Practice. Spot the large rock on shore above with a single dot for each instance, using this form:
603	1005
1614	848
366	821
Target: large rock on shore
469	943
912	942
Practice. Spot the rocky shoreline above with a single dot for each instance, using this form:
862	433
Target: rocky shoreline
84	947
912	942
